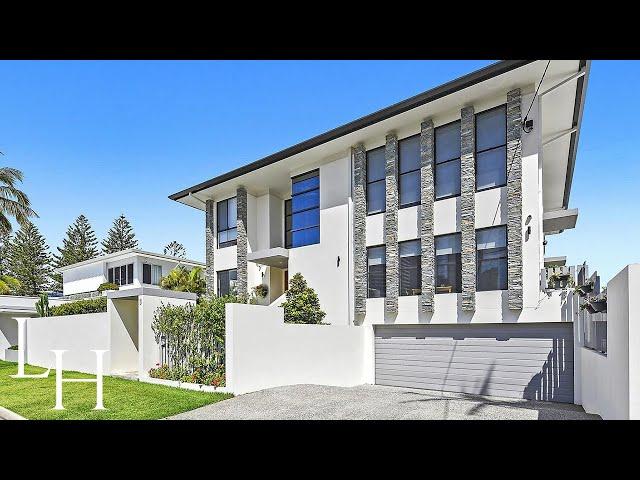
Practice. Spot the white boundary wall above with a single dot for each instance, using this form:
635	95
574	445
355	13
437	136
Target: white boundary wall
610	384
262	351
79	334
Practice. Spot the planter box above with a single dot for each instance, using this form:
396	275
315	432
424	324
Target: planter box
584	289
187	386
599	305
11	355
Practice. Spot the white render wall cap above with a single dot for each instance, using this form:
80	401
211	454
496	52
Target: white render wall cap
132	252
150	291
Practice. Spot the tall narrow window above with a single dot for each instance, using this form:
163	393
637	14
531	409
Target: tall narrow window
492	258
409	166
491	148
110	275
448	263
146	273
410	268
376	272
376	202
227	282
302	212
447	168
227	217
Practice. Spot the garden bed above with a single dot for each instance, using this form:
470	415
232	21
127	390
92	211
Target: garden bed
186	385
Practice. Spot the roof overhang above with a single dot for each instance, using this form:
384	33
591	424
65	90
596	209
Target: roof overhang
555	261
273	257
563	112
131	252
557	221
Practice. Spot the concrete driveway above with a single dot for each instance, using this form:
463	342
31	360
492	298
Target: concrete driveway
374	402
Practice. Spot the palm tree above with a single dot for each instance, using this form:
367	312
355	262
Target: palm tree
13	202
183	280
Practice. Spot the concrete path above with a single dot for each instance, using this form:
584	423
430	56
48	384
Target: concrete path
374	402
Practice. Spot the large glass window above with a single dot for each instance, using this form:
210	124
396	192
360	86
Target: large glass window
447	168
302	212
491	148
227	282
376	202
409	171
492	258
376	272
410	268
227	220
151	274
122	275
448	263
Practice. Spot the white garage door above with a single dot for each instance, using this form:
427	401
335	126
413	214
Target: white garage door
532	361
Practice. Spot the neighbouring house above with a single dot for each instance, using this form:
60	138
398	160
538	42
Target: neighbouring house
12	306
131	268
424	226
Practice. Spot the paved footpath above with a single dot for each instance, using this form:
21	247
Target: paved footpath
374	402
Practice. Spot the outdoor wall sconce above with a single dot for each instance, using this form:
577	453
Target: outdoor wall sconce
338	262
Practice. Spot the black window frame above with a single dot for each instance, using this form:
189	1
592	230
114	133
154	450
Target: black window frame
477	152
146	273
505	258
435	162
367	182
218	283
384	273
298	178
419	170
126	269
419	268
458	286
228	243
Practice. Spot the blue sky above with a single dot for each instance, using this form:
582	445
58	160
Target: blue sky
105	137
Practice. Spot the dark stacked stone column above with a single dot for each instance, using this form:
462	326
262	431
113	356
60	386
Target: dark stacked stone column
467	208
241	283
209	242
426	216
391	223
359	156
514	199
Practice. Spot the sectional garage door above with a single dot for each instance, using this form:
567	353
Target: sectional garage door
532	361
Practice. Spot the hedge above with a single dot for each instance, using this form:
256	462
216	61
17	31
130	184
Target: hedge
89	305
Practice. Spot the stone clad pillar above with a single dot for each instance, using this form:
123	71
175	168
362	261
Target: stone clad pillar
514	199
359	156
467	207
210	240
391	224
241	282
426	216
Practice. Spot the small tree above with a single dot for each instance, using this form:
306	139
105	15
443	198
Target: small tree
302	305
120	236
175	249
30	261
79	245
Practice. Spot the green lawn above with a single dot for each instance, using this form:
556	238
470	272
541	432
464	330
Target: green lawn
123	399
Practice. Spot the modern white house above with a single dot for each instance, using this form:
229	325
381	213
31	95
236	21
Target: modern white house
424	226
131	268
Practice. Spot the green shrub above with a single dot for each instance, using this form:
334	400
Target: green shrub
108	286
42	306
89	305
192	337
302	305
182	280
